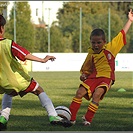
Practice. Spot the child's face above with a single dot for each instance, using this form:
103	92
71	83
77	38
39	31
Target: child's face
97	43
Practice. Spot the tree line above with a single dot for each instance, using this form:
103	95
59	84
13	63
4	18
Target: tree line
65	34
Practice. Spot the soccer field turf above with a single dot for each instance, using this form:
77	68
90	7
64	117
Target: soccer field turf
114	113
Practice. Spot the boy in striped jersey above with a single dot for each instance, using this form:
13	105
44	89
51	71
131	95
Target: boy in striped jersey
97	71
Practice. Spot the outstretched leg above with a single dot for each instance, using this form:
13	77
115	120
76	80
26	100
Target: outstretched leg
48	105
76	102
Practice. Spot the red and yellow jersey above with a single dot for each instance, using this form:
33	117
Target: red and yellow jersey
103	63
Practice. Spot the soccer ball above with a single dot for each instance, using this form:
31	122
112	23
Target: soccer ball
63	112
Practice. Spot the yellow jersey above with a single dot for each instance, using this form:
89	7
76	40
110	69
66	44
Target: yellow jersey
13	76
103	63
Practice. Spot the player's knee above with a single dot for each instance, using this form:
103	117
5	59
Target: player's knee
98	94
79	94
38	90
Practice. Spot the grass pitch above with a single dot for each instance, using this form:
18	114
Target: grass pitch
114	114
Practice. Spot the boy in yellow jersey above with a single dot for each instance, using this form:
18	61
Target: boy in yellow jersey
15	80
97	71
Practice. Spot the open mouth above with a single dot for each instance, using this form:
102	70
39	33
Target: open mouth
96	50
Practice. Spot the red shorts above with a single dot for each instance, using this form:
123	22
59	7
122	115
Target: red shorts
31	88
92	84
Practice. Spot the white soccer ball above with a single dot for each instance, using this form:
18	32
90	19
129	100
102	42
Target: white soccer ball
63	112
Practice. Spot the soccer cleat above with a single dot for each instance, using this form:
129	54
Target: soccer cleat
3	123
85	122
72	122
54	119
57	120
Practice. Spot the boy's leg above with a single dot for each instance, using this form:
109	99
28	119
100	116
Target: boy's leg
74	107
46	102
52	114
48	105
93	106
98	87
76	102
5	112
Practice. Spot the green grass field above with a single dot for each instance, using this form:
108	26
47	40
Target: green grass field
114	114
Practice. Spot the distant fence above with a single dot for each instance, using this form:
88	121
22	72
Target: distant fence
74	61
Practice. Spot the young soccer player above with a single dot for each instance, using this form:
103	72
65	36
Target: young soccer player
15	80
97	71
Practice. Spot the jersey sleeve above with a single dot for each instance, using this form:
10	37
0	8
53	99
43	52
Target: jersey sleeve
18	51
117	43
87	65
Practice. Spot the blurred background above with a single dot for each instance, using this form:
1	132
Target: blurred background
63	26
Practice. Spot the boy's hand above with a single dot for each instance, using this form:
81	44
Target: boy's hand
130	15
52	58
83	77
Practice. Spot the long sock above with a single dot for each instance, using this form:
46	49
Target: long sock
47	104
92	108
74	107
6	106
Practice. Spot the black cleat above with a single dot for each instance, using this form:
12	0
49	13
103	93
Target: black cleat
65	123
56	120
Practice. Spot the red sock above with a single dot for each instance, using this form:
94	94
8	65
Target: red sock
92	108
74	107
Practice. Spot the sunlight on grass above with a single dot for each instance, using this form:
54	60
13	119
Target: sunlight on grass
114	114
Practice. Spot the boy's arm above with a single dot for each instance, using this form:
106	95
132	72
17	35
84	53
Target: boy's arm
42	60
86	68
23	54
129	22
120	40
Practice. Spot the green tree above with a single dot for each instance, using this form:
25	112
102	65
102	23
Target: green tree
94	15
3	8
41	39
69	21
24	27
56	44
